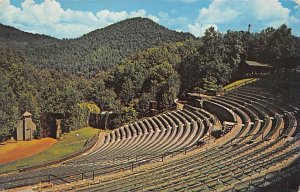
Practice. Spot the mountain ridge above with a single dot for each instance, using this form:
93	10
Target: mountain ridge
97	50
7	31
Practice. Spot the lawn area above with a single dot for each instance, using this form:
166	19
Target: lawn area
238	83
69	143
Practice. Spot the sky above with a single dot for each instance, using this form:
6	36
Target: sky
73	18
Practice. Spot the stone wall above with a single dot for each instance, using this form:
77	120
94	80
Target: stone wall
224	114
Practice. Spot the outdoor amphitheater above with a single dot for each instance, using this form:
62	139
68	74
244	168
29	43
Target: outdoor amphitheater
247	139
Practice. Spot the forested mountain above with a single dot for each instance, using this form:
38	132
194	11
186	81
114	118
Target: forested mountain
98	50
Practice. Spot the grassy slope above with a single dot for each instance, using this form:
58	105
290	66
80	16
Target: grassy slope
69	144
237	83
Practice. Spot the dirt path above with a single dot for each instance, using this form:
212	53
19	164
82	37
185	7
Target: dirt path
22	149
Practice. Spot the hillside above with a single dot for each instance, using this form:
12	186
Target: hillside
98	50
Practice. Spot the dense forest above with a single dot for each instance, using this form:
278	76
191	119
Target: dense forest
167	65
98	50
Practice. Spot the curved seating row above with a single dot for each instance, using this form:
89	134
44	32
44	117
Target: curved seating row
170	131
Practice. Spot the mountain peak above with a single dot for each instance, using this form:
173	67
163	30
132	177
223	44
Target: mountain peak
137	25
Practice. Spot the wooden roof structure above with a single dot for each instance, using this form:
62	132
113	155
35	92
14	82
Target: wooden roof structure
256	64
26	114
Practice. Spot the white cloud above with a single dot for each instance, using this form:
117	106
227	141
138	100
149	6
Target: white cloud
48	17
166	19
178	23
297	1
7	11
199	29
226	14
110	17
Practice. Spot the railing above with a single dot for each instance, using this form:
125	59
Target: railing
243	137
130	165
58	178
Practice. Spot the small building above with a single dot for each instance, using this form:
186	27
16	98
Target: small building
254	68
25	128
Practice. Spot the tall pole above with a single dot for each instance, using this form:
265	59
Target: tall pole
249	28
